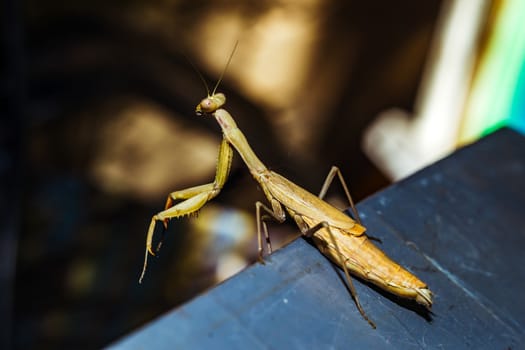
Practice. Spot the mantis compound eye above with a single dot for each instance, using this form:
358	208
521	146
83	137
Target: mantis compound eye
210	104
206	106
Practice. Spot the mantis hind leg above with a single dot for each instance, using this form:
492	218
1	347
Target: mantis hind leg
309	232
326	185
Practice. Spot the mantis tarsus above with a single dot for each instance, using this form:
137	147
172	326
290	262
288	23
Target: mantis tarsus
335	234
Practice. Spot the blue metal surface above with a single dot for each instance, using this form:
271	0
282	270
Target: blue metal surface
458	224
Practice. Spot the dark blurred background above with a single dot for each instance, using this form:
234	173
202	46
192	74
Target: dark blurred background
98	126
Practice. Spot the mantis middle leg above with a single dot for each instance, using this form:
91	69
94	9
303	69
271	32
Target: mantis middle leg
193	199
276	213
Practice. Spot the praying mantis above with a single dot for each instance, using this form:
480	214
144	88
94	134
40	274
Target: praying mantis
339	237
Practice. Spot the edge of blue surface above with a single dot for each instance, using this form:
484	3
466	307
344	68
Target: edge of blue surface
437	223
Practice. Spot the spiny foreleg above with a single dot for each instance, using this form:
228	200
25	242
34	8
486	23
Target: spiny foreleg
193	199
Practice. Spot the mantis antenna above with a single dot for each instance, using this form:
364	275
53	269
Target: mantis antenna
224	70
201	77
335	234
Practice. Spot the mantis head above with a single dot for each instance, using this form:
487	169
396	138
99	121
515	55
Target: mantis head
210	104
214	101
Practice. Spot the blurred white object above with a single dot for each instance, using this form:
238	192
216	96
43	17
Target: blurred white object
400	144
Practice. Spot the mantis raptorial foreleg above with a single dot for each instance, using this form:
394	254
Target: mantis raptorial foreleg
339	237
193	199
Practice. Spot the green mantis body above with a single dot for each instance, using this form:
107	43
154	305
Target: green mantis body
335	234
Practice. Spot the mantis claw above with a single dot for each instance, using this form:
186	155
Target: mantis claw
151	251
335	234
169	203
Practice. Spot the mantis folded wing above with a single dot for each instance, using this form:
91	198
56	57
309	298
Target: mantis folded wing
336	235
